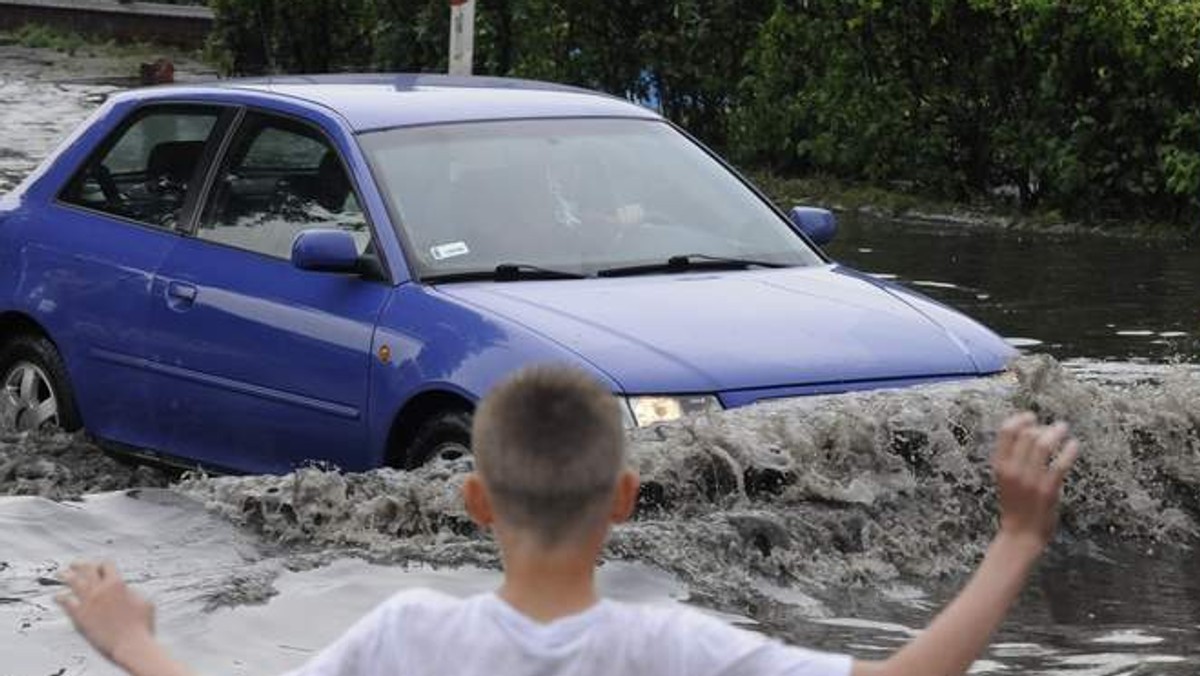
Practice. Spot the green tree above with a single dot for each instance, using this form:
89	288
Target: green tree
1091	107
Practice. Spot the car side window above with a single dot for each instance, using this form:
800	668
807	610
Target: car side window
279	178
144	169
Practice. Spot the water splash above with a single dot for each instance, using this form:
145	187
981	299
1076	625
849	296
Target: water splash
66	466
841	490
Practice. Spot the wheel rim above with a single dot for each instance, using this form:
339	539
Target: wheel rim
450	450
28	401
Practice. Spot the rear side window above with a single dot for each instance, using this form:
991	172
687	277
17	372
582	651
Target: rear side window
279	178
144	170
277	148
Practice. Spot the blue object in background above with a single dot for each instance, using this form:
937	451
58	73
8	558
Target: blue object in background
262	273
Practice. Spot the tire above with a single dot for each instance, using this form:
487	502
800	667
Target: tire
446	435
32	353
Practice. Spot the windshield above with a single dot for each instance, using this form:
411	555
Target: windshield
569	195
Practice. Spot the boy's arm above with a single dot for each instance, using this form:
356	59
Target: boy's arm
116	620
147	657
119	623
1029	483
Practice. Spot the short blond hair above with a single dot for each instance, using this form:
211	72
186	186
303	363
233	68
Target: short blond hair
549	445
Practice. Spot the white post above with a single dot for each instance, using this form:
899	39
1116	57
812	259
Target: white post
462	36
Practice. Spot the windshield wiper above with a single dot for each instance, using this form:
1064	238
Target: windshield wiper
505	272
687	263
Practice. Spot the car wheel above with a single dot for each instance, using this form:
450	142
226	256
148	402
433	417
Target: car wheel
35	393
445	436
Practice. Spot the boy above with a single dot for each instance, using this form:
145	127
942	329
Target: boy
549	483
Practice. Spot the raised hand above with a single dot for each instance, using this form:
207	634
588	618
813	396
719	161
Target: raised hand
108	613
1030	463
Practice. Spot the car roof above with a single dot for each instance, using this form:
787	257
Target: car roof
380	101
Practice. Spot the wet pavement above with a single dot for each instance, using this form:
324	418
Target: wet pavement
45	94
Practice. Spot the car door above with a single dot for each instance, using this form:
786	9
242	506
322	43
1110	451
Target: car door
268	363
92	262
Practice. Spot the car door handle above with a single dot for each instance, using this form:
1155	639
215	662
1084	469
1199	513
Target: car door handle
180	294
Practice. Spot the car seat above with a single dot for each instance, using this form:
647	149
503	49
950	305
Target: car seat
169	169
172	163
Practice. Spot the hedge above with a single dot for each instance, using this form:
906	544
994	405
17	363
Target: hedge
1090	107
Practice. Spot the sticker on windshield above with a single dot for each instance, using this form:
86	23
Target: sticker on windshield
443	251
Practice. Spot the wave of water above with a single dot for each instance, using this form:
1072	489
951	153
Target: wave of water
839	490
834	490
66	467
851	508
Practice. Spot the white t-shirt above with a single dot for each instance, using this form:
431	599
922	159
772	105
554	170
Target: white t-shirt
425	633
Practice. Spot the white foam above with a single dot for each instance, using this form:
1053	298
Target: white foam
1128	637
856	623
934	285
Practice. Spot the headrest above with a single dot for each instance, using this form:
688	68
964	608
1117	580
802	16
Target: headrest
175	160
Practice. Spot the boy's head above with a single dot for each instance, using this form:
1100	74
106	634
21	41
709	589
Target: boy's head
549	450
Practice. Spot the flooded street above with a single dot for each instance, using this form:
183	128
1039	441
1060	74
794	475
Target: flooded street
1072	296
839	522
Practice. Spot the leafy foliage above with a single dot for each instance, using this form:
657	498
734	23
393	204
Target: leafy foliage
1091	108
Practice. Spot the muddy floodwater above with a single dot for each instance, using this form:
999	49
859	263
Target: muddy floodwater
840	522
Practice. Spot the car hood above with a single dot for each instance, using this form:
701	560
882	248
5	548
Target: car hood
712	332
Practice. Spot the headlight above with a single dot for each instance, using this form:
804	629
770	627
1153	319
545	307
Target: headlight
646	411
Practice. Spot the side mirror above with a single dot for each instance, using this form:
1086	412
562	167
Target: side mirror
325	251
819	224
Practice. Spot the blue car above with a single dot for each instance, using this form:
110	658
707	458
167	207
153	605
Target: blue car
256	274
